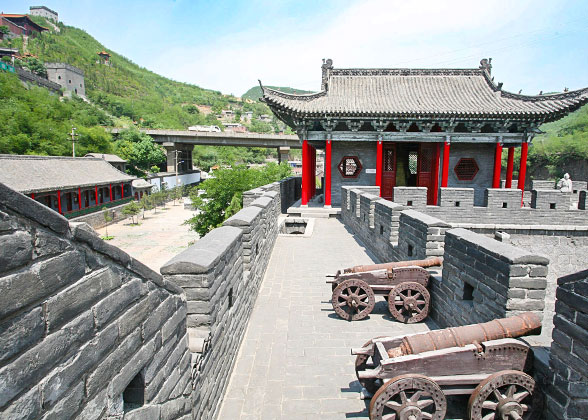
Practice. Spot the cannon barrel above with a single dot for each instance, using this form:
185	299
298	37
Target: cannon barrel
527	323
431	262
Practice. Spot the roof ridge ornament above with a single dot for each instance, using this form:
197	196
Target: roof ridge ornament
326	72
486	64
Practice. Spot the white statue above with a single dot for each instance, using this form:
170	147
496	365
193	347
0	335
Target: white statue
565	184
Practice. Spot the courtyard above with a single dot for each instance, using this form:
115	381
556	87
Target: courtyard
157	238
295	361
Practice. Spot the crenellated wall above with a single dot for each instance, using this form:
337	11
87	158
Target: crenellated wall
567	390
83	326
221	274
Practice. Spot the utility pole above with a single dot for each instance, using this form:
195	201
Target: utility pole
73	140
177	151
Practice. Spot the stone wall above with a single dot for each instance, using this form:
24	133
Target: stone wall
96	219
484	279
567	393
221	275
366	152
86	331
289	189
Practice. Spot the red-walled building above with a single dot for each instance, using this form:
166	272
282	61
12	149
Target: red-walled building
20	24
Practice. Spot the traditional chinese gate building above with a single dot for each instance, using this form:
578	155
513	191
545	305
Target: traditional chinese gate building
415	127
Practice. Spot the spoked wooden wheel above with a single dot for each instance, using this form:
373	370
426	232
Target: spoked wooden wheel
505	395
353	300
409	302
361	364
408	397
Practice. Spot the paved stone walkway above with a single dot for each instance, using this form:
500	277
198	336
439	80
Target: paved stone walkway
158	238
295	360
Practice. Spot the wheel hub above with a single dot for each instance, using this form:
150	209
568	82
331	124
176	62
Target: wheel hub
409	303
509	410
410	413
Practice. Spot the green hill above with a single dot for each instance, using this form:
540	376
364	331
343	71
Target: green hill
255	92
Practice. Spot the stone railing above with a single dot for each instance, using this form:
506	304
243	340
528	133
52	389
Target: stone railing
86	331
221	275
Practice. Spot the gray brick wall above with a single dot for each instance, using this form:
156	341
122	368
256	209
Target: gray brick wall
567	393
415	197
221	275
79	319
502	198
484	279
366	151
551	200
456	197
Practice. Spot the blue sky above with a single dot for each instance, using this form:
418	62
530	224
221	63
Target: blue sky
228	45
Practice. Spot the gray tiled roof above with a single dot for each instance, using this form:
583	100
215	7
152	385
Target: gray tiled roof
48	173
434	93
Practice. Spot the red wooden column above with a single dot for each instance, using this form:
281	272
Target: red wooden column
509	167
523	169
313	151
497	166
96	197
445	170
305	173
110	185
33	196
328	173
122	190
80	198
435	175
379	150
59	201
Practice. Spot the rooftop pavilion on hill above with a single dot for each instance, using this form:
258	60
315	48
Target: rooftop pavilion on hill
414	127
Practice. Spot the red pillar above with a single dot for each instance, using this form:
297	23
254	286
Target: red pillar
33	196
497	166
313	172
509	167
96	196
305	173
445	171
328	174
122	190
435	179
523	169
59	201
80	198
379	164
110	185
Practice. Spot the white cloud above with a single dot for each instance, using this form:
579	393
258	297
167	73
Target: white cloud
374	33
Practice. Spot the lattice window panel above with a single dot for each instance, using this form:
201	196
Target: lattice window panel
389	160
413	160
466	169
349	166
426	157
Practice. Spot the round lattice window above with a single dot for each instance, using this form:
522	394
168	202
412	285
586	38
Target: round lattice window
466	169
349	166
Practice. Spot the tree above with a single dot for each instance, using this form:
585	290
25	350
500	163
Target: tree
140	151
107	219
146	203
132	209
177	193
223	195
4	31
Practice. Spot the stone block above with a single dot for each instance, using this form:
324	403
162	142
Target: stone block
68	405
27	407
79	296
130	369
528	283
16	250
32	209
19	333
109	307
38	361
42	279
48	243
148	412
158	317
244	217
202	256
63	378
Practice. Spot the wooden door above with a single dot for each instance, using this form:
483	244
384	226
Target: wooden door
428	169
388	170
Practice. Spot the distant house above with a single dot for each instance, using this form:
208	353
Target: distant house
227	114
247	116
20	24
265	118
104	58
235	128
44	12
71	186
114	160
70	78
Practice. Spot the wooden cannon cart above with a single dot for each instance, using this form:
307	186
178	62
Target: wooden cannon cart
410	376
403	284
